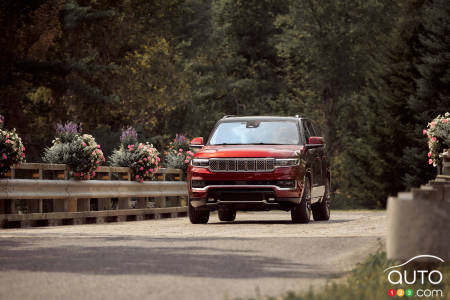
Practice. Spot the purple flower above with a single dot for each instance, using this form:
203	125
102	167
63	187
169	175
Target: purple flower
67	131
129	136
179	138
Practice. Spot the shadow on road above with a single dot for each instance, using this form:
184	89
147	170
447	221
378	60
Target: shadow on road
285	222
41	255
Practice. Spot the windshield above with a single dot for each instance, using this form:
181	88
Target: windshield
256	133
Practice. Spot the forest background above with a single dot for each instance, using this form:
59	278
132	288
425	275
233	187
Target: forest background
372	73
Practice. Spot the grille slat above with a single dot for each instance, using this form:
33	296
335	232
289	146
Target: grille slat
242	164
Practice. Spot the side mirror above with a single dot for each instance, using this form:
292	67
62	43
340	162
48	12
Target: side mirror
197	142
315	140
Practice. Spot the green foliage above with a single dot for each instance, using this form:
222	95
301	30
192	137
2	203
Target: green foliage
372	73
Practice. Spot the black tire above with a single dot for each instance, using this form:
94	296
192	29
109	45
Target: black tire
321	210
302	212
198	216
227	215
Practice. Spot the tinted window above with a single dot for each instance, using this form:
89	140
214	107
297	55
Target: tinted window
256	132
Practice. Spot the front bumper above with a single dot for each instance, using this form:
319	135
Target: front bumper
245	188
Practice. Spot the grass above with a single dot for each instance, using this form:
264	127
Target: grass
368	281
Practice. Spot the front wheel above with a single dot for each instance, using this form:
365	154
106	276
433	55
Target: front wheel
302	212
198	216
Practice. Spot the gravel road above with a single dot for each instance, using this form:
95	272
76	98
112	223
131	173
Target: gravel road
167	259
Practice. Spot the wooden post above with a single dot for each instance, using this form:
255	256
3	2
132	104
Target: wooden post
124	203
161	201
35	205
105	203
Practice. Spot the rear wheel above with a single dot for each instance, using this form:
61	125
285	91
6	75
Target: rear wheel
198	216
227	215
321	210
302	212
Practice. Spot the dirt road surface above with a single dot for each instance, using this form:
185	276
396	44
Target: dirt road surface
167	259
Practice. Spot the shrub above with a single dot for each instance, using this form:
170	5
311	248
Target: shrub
141	158
79	151
12	151
438	133
178	155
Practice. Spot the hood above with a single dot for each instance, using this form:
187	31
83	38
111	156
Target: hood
276	151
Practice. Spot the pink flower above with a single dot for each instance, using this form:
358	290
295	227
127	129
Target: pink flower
4	156
7	141
151	170
190	152
433	124
137	176
98	146
146	172
84	144
23	155
433	139
97	162
23	148
186	161
179	154
181	150
77	174
145	158
424	131
142	181
158	158
93	174
430	161
141	168
153	160
429	154
140	161
445	121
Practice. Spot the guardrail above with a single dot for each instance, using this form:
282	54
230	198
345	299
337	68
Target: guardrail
418	221
42	194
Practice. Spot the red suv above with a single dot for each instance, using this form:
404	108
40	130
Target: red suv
260	163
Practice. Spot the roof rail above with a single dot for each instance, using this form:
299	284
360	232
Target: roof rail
297	116
228	116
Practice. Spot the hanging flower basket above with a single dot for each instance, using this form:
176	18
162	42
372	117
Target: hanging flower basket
12	151
438	133
79	151
141	158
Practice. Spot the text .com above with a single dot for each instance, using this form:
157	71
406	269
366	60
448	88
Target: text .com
418	293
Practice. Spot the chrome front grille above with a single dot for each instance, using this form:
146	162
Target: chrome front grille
241	164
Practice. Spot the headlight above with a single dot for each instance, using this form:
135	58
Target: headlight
200	162
286	162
